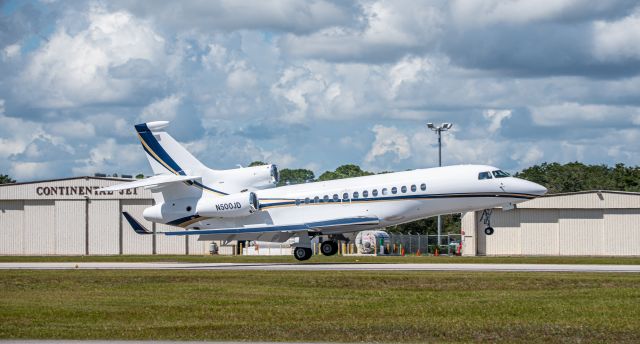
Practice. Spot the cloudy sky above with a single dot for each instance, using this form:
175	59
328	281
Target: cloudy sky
318	84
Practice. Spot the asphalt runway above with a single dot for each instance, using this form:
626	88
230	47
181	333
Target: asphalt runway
324	267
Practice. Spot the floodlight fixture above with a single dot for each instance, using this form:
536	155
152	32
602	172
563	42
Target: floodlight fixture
439	130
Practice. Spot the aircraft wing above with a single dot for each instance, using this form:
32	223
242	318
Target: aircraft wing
150	182
318	225
289	228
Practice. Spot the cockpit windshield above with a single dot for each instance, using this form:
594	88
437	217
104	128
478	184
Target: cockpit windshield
484	175
500	174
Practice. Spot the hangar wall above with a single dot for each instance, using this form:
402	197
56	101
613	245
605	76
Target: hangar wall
69	217
594	223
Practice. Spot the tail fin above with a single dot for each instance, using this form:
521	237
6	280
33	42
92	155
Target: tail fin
165	154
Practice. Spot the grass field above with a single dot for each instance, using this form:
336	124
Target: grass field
320	306
333	259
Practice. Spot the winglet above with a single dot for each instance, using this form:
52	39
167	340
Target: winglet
137	227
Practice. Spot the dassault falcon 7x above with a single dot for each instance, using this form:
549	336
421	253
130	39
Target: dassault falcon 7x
245	204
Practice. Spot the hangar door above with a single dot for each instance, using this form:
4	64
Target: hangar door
569	232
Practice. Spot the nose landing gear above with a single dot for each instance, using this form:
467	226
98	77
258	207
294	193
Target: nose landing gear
486	219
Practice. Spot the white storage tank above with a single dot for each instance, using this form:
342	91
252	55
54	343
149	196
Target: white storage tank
366	242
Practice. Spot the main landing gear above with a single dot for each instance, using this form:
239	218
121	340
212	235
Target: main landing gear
302	253
302	250
329	247
486	219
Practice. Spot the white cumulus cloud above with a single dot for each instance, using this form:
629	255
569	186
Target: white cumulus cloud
617	40
164	109
107	61
496	117
388	140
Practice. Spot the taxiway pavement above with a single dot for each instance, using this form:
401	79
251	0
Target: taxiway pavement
322	267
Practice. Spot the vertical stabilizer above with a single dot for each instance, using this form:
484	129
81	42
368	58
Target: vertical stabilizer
165	154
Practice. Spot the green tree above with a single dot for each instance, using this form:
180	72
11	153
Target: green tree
5	179
257	163
295	176
576	176
344	171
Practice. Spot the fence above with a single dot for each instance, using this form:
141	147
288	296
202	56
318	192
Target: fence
426	244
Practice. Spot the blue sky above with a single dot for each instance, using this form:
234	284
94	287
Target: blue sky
317	84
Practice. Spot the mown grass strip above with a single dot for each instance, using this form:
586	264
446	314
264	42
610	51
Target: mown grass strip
320	306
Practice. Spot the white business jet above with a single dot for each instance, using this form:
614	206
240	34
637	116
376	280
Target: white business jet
245	204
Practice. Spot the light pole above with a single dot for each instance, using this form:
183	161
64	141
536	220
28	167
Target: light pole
439	130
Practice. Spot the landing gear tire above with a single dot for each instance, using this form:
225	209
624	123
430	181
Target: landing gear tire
488	230
329	248
302	253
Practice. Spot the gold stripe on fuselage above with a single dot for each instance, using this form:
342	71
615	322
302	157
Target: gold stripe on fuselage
387	200
192	221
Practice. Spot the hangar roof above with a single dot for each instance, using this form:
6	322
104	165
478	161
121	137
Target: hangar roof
69	188
594	199
70	178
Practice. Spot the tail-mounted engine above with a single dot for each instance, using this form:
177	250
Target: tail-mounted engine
257	177
235	205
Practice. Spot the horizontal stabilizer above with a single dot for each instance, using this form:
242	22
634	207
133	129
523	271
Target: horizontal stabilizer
319	225
137	227
150	182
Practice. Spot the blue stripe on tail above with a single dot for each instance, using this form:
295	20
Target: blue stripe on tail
154	145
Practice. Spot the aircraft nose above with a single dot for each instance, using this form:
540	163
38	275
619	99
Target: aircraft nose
531	188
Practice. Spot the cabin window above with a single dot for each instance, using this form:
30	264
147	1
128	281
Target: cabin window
384	191
345	196
307	200
413	188
355	194
365	193
423	187
297	202
484	175
325	198
394	190
374	192
316	199
336	198
500	174
403	189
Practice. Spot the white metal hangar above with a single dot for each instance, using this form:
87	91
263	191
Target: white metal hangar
591	223
69	217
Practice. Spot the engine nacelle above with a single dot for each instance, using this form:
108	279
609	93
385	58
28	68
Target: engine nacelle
258	177
235	205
